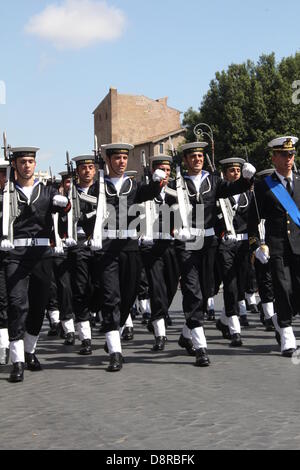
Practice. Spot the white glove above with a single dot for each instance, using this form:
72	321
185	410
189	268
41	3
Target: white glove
70	242
6	245
58	250
60	201
183	234
262	254
248	171
159	175
96	245
146	241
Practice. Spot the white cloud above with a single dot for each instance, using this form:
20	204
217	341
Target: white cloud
75	24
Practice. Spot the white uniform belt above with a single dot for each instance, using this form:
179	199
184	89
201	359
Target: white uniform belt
162	236
32	242
120	233
198	232
242	236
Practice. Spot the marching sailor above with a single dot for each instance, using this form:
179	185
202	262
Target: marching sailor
278	202
118	261
197	264
159	259
234	250
29	260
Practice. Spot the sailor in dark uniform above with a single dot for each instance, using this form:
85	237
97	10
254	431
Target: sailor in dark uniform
196	265
4	340
82	259
234	250
118	261
29	260
159	259
278	202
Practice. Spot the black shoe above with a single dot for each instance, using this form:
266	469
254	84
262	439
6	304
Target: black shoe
236	341
116	362
168	321
4	356
17	373
32	362
159	344
150	327
210	315
244	321
146	318
187	344
54	329
128	333
202	359
269	325
70	339
288	352
224	329
86	347
253	308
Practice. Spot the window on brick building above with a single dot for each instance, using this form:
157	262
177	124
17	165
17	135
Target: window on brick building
161	148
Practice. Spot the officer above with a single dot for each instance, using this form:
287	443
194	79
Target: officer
29	260
197	264
118	261
278	201
234	249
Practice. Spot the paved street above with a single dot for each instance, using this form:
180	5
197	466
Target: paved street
248	399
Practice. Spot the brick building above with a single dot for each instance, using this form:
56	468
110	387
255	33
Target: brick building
141	121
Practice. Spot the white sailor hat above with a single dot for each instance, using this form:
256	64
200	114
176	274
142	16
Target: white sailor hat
131	173
81	159
193	147
3	164
267	172
24	151
160	159
284	144
64	174
110	149
231	162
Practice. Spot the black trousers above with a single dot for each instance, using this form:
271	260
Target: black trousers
118	274
3	295
62	275
143	289
28	289
286	283
197	280
82	266
234	264
163	274
53	300
264	281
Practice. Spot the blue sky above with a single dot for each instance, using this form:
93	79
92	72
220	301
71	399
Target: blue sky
152	47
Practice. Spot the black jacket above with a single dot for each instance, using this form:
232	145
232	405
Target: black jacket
281	232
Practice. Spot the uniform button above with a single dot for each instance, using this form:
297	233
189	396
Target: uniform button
289	232
288	222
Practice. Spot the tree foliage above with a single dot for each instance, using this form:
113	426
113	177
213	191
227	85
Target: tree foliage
248	105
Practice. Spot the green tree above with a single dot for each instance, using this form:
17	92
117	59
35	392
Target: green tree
247	106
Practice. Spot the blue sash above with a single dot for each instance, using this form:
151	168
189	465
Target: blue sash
284	198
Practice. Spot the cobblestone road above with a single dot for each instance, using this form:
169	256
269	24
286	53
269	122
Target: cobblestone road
248	399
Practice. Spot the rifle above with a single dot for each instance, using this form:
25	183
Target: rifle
73	215
149	205
101	211
10	201
182	195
